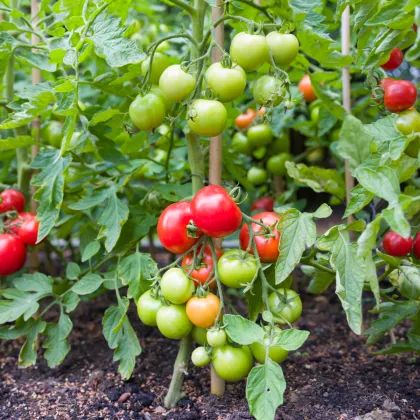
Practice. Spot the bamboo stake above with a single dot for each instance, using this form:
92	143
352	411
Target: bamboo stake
215	166
345	49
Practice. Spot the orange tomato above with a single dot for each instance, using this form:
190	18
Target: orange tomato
261	111
202	311
245	120
305	87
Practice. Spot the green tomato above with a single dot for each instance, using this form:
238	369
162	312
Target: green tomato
200	357
276	354
173	321
176	83
268	91
335	135
216	338
232	363
53	134
315	156
147	308
199	335
176	286
207	118
237	268
259	135
315	115
257	176
280	144
227	83
241	144
289	311
413	149
156	90
160	63
249	51
277	164
147	112
260	152
408	122
283	47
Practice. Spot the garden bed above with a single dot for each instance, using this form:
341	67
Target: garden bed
333	377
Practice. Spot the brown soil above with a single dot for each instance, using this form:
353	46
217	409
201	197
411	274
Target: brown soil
334	376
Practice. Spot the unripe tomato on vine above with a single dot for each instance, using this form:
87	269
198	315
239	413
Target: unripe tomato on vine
268	91
249	51
207	118
305	87
147	112
172	321
286	306
176	83
232	363
283	47
159	65
256	175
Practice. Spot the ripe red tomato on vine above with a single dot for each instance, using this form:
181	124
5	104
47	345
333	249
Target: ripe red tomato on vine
263	203
396	245
400	95
11	200
12	254
396	57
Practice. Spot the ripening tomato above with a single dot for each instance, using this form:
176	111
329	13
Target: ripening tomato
216	337
53	134
176	83
227	83
147	308
12	254
28	230
207	118
416	246
257	176
237	268
214	212
176	286
267	247
394	60
277	164
263	203
305	87
147	112
241	144
243	121
400	95
172	228
259	135
199	357
249	51
159	65
268	91
283	47
396	245
203	311
172	321
232	363
289	310
11	200
201	274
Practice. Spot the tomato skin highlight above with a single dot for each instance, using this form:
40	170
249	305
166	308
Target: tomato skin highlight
176	286
268	248
202	274
416	246
284	47
395	59
147	308
173	321
396	245
237	268
400	95
147	112
291	312
243	121
176	84
12	200
207	118
202	311
216	338
232	363
172	227
215	213
264	204
249	51
305	87
12	254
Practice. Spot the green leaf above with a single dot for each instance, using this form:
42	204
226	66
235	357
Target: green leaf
112	322
36	282
70	301
92	200
410	286
104	116
12	143
243	331
320	280
372	277
88	284
254	299
112	220
291	339
264	390
367	239
28	352
392	261
57	345
37	60
394	216
360	198
72	271
174	192
91	249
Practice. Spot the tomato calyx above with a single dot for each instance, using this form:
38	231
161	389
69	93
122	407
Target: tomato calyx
193	230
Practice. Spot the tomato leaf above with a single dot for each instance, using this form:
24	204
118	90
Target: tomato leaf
242	330
410	286
360	198
12	143
291	339
320	279
264	390
28	352
91	249
112	322
72	271
88	284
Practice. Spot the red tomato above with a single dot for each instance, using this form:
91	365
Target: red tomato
202	311
11	200
215	213
268	248
244	120
12	254
416	246
14	225
395	60
28	230
305	87
387	81
400	95
263	203
172	228
396	245
201	273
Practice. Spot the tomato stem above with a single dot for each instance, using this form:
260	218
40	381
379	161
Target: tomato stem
219	283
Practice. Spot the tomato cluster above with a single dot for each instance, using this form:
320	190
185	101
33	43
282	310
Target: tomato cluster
19	229
398	246
399	95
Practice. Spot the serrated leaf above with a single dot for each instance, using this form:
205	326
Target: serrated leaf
104	116
38	60
56	344
242	330
88	284
291	339
367	239
28	352
112	322
360	198
92	199
36	282
410	281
